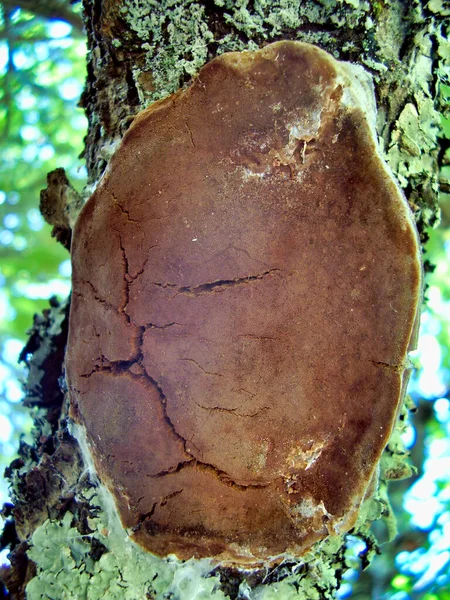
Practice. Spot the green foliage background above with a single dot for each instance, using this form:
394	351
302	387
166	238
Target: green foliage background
42	68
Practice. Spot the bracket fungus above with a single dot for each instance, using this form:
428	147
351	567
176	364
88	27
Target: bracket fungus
246	287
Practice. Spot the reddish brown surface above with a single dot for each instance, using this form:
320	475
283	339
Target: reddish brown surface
246	281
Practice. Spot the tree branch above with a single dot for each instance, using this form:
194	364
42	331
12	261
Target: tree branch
8	99
21	39
50	9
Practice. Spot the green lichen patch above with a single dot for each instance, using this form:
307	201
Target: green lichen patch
412	148
68	569
106	564
180	36
414	142
175	37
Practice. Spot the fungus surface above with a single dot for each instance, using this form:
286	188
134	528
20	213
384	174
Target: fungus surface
246	283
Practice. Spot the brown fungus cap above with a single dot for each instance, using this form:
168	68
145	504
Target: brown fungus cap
246	283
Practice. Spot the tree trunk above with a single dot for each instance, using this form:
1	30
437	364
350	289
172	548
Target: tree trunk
65	537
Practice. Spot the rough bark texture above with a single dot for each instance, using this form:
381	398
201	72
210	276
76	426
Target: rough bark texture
138	52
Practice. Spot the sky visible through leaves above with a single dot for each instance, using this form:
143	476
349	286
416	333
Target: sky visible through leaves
42	68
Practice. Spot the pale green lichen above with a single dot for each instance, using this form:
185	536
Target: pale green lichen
175	36
272	18
413	145
66	569
443	71
413	140
439	7
263	17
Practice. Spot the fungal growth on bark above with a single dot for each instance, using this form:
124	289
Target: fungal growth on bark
246	284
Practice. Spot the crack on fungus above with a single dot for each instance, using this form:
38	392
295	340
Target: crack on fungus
123	210
212	286
165	326
191	360
190	134
164	501
118	368
125	263
98	298
132	278
128	277
205	467
118	311
163	402
396	368
233	248
232	410
171	470
225	478
225	283
264	338
195	462
127	212
252	394
146	516
164	285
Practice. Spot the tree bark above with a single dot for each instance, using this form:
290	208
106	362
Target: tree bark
59	529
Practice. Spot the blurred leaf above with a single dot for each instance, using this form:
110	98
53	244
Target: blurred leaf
41	128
